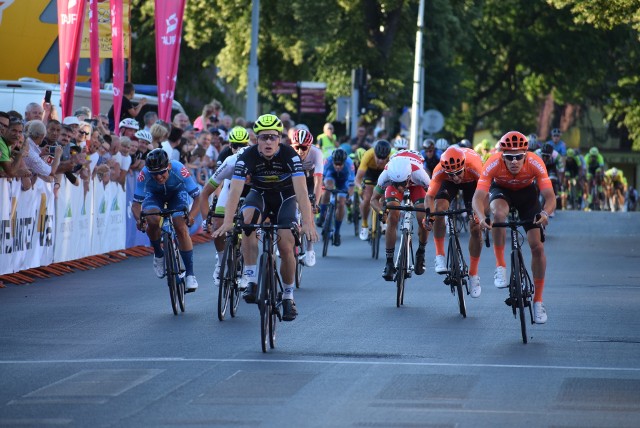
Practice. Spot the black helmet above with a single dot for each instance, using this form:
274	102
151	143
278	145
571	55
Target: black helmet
465	144
381	148
547	149
157	160
339	155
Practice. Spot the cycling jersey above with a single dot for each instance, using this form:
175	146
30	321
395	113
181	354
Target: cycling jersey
344	178
418	177
368	162
269	174
174	192
593	162
312	164
496	170
560	147
553	163
430	163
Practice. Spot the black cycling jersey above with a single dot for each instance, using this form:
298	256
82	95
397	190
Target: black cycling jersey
571	167
269	174
225	153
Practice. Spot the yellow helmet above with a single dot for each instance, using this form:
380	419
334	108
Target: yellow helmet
238	135
268	122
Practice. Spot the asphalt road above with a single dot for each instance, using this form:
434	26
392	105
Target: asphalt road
102	348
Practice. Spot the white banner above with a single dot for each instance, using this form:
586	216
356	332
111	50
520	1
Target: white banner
26	226
73	222
108	232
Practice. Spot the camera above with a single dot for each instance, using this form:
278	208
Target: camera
47	96
52	150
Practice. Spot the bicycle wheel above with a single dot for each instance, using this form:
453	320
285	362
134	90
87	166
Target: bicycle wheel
227	274
377	236
170	268
299	251
401	270
355	213
234	297
275	303
180	276
264	302
326	230
456	274
518	301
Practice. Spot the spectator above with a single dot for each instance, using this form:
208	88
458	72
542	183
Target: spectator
83	114
19	150
33	111
92	150
74	124
53	133
159	134
181	120
10	162
102	124
171	145
123	161
36	131
128	128
213	151
127	110
150	118
144	142
84	134
226	123
361	140
204	121
240	121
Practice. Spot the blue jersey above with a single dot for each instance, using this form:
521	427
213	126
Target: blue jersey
179	181
343	178
559	147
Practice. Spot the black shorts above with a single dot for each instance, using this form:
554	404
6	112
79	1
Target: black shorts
525	200
371	176
448	190
280	204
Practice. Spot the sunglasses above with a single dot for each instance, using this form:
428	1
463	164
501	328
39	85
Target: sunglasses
455	173
400	183
338	164
303	148
83	133
158	172
268	137
237	146
511	158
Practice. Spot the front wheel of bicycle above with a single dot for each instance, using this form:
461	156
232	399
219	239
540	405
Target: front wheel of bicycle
275	301
171	271
401	272
234	298
517	293
299	252
264	303
225	278
355	213
326	230
460	290
180	277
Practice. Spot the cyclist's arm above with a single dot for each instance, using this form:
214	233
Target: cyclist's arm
136	209
360	176
376	197
302	195
549	204
479	203
235	190
207	191
317	186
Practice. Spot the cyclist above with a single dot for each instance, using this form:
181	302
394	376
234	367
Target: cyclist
618	186
162	182
508	180
238	141
277	182
371	166
557	143
555	167
459	169
534	144
405	171
442	144
313	167
400	143
431	155
465	144
338	174
574	172
594	163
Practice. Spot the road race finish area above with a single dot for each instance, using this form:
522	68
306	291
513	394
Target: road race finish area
101	348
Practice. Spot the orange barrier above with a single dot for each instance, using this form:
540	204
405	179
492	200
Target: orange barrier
92	262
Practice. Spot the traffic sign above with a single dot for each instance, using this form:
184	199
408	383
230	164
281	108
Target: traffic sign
432	121
284	87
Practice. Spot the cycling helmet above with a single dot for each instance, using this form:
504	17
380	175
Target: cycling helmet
442	144
238	135
593	151
157	160
465	144
129	123
382	149
144	135
513	140
339	156
302	137
547	149
302	126
555	132
571	152
452	159
399	169
428	144
268	122
614	172
401	143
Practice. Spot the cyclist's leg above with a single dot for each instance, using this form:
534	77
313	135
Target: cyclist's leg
341	202
392	197
150	204
286	215
418	194
499	202
251	213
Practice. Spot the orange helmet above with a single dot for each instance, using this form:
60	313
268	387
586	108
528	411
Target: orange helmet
302	137
452	159
513	140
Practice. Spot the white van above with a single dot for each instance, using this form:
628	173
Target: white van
16	94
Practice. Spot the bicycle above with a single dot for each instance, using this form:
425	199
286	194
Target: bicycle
521	288
457	274
461	217
231	269
328	225
404	263
300	249
376	234
174	268
355	211
269	283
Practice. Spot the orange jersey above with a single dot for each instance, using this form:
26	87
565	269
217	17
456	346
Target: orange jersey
496	170
472	171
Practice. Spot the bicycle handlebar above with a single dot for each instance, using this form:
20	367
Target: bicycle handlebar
515	223
407	208
452	212
165	213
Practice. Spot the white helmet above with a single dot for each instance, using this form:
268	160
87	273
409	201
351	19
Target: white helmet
399	169
442	144
401	143
144	135
302	126
129	123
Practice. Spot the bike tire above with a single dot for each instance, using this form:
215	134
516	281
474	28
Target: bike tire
234	298
326	230
170	268
456	275
225	280
180	280
275	303
376	237
517	293
355	213
299	264
263	302
401	271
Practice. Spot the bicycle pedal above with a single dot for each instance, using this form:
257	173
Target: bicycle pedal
189	290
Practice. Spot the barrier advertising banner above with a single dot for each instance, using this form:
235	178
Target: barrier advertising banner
73	222
26	226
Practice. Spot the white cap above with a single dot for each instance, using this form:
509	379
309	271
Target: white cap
71	120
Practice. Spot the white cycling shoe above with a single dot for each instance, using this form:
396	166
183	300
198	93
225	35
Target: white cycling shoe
158	266
474	286
191	284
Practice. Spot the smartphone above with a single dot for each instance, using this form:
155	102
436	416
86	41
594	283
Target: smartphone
47	97
52	150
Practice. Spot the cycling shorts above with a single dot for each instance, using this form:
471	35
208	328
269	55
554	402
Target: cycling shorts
282	204
448	190
177	201
525	200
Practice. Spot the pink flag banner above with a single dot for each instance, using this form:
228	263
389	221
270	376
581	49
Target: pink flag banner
70	25
169	14
117	42
94	58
